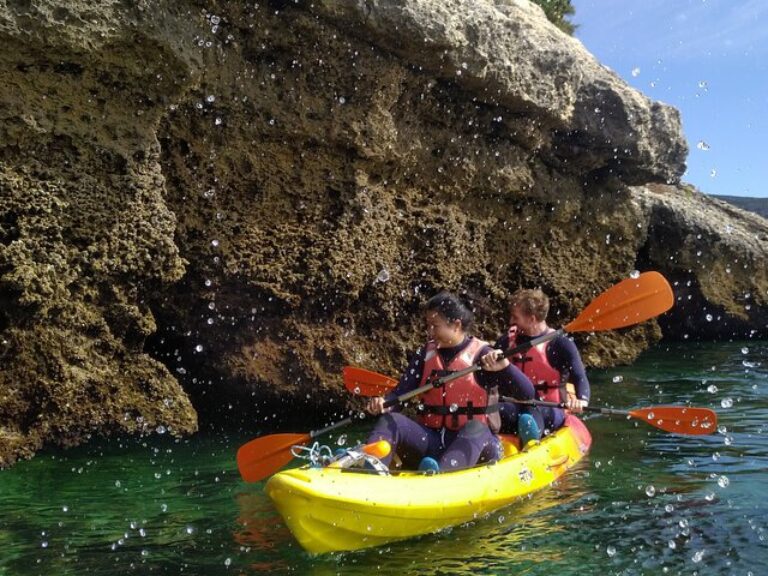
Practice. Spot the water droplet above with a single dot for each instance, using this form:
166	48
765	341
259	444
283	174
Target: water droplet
160	429
218	121
199	348
650	491
117	483
617	379
726	402
341	440
453	408
709	317
611	551
190	529
44	544
342	100
702	83
745	350
712	173
635	72
702	145
712	389
208	283
698	556
709	497
651	416
728	440
634	274
669	508
716	456
383	275
164	507
215	243
723	481
210	98
671	544
501	518
228	562
356	391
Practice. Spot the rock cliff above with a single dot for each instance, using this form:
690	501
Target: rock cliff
219	204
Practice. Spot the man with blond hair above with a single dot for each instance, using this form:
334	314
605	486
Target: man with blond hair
555	368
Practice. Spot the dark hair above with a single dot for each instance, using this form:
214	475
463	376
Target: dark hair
451	308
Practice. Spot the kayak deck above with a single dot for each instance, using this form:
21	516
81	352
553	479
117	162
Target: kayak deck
332	509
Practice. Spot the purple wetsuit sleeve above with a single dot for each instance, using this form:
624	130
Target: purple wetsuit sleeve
565	358
511	381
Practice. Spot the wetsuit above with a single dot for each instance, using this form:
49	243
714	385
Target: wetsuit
563	356
453	449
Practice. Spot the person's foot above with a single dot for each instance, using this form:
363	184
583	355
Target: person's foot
429	465
528	431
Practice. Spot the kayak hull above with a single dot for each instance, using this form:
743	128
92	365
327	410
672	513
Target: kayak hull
332	509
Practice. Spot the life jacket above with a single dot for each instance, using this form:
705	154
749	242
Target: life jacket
453	404
548	381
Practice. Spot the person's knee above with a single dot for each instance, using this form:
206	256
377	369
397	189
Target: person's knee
474	429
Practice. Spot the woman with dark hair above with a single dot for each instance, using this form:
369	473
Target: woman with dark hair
458	420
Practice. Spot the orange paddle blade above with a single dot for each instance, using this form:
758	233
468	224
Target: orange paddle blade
264	456
629	302
679	419
363	382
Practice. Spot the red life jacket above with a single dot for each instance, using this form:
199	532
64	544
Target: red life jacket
534	364
453	404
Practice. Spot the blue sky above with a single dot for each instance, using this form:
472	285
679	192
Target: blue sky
708	59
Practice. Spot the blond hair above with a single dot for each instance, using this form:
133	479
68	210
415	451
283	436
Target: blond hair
530	301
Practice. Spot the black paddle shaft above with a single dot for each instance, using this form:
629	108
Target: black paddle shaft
564	406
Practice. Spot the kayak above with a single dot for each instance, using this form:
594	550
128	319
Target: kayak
337	509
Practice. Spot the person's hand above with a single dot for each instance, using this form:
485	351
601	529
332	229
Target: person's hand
494	361
375	406
576	405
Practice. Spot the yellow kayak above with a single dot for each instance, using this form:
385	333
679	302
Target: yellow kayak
334	509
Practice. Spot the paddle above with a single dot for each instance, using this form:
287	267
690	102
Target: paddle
262	457
363	382
629	302
676	419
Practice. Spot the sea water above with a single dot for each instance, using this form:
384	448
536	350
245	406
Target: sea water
644	501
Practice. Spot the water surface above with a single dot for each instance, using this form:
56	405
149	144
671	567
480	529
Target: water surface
642	502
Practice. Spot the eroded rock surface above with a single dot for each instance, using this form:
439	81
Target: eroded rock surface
229	201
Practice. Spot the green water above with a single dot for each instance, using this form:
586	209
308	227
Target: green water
642	502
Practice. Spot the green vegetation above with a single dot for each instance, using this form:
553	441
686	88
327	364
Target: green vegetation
558	12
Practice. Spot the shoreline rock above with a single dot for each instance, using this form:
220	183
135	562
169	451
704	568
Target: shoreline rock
210	208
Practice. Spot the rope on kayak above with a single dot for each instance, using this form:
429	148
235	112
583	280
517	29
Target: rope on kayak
318	455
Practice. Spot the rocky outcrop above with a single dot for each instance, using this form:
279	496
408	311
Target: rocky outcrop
715	254
230	201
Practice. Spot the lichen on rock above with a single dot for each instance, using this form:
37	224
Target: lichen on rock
220	204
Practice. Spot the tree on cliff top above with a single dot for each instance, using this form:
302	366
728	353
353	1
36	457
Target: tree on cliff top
557	12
